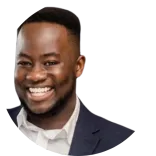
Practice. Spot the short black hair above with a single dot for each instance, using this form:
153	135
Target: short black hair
58	16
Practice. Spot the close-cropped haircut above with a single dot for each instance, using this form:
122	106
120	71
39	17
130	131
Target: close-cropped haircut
58	16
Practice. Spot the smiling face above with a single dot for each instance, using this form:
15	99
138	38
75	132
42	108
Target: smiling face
47	65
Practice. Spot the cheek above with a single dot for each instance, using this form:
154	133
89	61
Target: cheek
19	76
18	80
57	71
60	70
62	77
64	83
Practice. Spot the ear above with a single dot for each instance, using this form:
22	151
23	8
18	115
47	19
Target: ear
80	65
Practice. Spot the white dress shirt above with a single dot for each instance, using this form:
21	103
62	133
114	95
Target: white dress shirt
58	140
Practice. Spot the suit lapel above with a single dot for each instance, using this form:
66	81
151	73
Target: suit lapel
84	140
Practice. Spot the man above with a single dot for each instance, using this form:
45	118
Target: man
48	62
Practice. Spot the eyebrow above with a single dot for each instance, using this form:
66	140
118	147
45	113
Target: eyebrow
44	55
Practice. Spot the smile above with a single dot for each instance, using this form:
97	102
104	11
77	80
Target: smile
40	94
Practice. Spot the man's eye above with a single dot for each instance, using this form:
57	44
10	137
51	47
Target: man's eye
50	63
24	63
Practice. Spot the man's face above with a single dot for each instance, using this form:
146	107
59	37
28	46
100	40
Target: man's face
45	66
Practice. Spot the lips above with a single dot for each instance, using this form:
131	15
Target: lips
40	93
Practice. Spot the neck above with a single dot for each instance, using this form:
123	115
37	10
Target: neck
57	121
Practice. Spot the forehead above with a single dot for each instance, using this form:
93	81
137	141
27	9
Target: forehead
42	36
43	29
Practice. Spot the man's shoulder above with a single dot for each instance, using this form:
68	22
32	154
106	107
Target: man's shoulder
103	122
111	132
13	112
107	124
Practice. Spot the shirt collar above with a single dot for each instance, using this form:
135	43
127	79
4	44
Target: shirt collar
66	132
21	118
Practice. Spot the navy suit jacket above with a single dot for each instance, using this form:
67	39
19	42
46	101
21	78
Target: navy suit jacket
92	135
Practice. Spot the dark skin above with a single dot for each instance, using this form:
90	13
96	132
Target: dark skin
48	56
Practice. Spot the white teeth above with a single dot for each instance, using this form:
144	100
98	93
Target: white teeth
39	90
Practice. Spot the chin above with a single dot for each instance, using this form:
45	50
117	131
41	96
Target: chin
38	110
41	108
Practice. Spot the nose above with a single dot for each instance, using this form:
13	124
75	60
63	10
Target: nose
36	74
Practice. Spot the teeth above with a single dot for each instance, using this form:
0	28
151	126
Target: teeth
39	90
